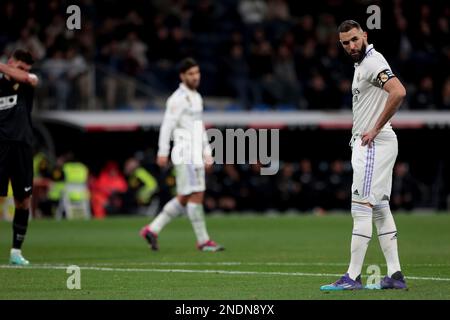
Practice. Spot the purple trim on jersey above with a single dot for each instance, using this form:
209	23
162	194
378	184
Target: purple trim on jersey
367	53
370	161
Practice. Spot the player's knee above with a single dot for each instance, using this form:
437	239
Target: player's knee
183	200
381	210
22	203
196	197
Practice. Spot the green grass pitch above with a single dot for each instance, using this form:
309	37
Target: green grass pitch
266	257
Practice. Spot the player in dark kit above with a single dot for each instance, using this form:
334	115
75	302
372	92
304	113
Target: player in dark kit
16	136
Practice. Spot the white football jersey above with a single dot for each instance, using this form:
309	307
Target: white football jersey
183	123
369	98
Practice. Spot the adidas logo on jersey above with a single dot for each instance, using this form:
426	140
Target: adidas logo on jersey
356	193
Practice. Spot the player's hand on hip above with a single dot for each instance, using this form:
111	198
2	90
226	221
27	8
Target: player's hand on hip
162	161
368	137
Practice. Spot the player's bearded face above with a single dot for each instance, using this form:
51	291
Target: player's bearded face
357	55
191	78
354	43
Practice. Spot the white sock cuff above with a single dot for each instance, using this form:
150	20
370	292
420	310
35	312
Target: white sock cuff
362	221
16	251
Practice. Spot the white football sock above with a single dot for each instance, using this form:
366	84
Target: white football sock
197	217
361	235
171	210
16	251
387	235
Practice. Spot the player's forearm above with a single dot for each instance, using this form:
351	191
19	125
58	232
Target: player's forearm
17	74
393	103
164	138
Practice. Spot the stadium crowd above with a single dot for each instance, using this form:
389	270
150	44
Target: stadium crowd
138	186
263	54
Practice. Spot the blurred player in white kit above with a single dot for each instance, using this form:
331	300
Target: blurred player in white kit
190	154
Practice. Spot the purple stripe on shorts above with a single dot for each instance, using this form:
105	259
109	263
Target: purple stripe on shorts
372	165
366	173
191	173
370	159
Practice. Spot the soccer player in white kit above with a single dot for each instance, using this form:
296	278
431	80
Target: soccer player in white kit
377	94
190	154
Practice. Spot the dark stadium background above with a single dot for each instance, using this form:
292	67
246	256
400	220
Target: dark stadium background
208	30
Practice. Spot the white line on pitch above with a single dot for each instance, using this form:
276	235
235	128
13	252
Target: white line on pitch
237	263
60	267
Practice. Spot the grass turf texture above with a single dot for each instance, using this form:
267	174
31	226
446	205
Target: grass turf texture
266	257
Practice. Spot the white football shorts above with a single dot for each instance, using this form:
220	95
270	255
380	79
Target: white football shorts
190	178
372	168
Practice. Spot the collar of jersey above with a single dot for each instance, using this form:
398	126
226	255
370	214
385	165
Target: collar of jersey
368	49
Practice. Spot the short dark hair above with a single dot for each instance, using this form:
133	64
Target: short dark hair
348	25
24	56
186	64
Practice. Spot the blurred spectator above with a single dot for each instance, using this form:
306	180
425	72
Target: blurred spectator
107	190
141	187
278	10
135	50
55	72
75	202
405	189
78	75
326	28
345	94
445	104
261	68
288	187
252	11
138	46
42	179
404	43
29	41
237	70
319	95
260	189
288	89
339	185
203	17
307	199
55	30
231	180
424	98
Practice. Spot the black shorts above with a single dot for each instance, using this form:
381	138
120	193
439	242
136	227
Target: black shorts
16	164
